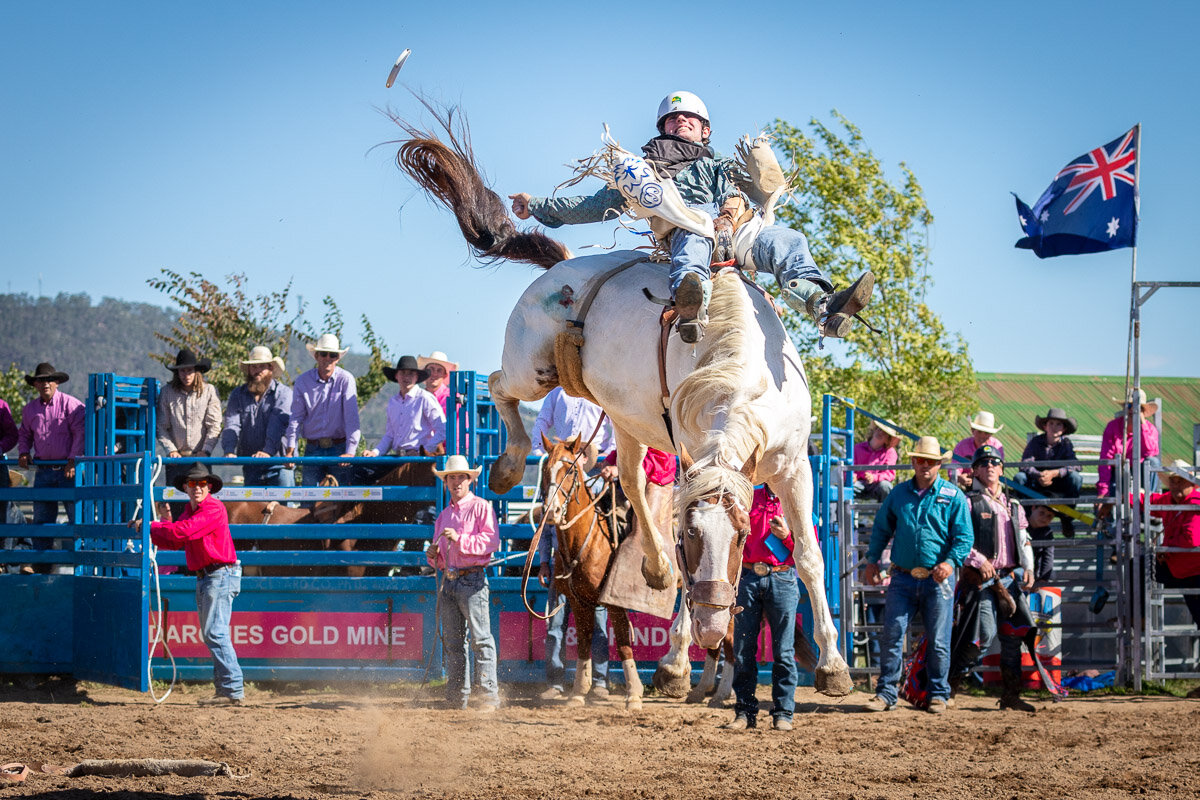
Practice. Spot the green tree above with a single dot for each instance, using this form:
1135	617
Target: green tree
855	219
14	390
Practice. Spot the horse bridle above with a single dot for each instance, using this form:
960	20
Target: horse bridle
713	594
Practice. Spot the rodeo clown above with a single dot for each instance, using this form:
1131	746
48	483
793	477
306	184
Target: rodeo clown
702	186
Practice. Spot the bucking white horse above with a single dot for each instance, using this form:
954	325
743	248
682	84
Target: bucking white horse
739	399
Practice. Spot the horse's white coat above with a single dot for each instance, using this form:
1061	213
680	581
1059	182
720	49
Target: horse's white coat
620	368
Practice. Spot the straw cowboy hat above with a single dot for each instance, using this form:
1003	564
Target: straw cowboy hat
1140	394
405	362
437	357
887	429
199	472
327	343
1060	415
1182	469
986	421
262	355
457	464
186	358
928	447
47	372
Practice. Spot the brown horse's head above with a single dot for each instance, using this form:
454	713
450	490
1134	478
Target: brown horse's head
714	525
564	470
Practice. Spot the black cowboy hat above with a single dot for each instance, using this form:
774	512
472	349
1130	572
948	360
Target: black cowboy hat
199	472
1061	416
406	362
47	372
186	358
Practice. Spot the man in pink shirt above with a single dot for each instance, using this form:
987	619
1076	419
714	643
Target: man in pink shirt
52	429
465	537
768	588
1118	440
202	532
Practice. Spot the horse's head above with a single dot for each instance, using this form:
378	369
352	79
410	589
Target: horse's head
563	471
714	525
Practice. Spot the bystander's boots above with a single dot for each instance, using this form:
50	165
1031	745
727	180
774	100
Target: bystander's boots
1010	696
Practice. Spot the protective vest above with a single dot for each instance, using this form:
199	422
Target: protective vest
985	523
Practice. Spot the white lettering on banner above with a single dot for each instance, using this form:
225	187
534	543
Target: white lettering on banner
298	493
305	634
365	636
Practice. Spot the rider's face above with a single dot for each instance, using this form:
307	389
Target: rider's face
685	126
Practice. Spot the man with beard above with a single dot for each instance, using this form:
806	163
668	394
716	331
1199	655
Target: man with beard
257	417
681	152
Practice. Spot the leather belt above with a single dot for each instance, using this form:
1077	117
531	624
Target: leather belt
326	442
455	574
406	451
920	573
764	568
211	568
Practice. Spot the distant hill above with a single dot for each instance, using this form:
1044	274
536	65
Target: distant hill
79	338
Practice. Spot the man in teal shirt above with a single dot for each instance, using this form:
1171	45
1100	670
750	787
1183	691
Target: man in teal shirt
927	520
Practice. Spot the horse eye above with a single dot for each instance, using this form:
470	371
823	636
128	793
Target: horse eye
693	531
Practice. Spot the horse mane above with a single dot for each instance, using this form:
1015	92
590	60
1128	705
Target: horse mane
724	382
448	173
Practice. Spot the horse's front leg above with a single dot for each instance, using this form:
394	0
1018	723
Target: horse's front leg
725	687
509	468
656	567
624	636
708	678
832	676
585	624
673	677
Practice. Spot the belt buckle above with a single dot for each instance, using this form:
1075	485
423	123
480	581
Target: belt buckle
451	574
325	442
920	573
762	569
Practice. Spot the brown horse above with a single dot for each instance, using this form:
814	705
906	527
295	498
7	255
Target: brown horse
272	512
585	552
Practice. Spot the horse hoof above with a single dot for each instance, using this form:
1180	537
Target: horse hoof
671	685
695	696
505	474
717	702
662	579
575	700
633	704
833	681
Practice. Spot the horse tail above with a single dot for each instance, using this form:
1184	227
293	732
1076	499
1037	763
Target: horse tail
448	174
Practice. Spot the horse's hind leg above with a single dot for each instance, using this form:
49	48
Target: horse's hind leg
510	466
624	636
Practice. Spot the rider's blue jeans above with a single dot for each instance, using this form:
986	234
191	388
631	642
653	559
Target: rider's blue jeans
782	251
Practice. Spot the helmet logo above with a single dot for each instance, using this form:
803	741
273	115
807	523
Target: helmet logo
676	99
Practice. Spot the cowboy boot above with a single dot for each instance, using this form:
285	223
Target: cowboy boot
691	302
833	313
1010	696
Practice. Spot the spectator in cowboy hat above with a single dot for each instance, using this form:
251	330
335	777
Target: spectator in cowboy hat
52	429
983	426
437	368
879	449
256	418
324	412
1052	444
928	523
465	537
1118	440
415	421
189	413
1180	529
202	532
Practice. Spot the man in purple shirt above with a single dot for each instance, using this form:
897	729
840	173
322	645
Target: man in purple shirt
51	430
324	412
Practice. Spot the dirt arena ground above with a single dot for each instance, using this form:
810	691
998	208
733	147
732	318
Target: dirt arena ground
364	743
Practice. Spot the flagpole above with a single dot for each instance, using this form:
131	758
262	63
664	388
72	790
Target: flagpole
1134	396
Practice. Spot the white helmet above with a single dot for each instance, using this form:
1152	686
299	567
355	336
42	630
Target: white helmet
681	101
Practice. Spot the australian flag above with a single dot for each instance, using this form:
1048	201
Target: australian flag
1090	207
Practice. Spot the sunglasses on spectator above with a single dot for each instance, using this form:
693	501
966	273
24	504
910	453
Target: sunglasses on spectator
194	484
323	354
992	462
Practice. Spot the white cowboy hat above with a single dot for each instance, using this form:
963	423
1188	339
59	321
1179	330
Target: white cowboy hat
985	421
928	447
262	355
1182	469
457	464
327	343
887	429
1140	395
437	357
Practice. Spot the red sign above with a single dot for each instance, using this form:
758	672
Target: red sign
301	635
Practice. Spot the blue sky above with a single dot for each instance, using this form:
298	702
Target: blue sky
224	137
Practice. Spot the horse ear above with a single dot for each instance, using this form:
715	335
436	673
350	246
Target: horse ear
750	465
573	443
547	444
685	459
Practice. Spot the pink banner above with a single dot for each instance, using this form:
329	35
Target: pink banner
301	635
